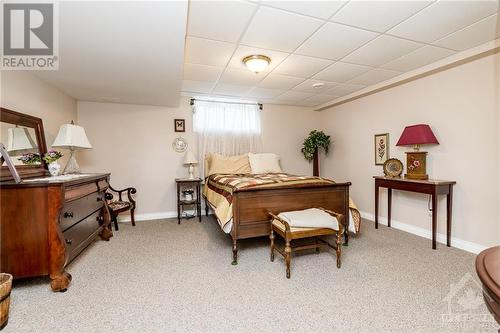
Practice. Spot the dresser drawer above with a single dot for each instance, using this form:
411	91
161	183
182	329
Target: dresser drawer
81	234
76	210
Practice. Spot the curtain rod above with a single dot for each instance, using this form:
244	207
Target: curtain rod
191	102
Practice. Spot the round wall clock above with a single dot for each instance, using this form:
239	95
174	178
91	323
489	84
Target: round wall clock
393	167
180	145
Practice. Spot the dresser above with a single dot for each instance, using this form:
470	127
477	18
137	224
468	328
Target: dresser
46	223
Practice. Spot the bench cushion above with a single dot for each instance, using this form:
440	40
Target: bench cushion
310	218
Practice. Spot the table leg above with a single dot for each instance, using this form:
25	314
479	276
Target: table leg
178	204
198	202
376	205
434	219
449	200
389	203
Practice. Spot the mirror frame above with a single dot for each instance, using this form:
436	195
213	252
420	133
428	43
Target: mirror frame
21	119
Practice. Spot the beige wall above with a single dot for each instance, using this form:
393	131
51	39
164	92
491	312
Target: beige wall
461	106
23	92
134	143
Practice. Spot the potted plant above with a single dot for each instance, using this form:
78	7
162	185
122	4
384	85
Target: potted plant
311	146
30	158
51	158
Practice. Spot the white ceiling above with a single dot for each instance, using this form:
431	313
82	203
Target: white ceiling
121	52
347	45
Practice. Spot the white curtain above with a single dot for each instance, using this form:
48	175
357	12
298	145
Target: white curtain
226	128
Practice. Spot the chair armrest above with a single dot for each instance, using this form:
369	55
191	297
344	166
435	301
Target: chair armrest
129	190
279	219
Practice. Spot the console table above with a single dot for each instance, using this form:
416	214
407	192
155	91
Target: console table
430	186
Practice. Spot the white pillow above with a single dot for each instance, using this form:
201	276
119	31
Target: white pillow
264	163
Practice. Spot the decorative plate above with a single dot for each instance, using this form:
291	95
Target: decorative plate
393	167
180	145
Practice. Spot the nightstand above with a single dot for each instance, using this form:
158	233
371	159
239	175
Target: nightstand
183	185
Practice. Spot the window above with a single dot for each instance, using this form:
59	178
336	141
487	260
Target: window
226	117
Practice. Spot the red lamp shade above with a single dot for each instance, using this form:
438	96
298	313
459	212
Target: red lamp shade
417	135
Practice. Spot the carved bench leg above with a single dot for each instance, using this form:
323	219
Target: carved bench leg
235	253
271	237
288	255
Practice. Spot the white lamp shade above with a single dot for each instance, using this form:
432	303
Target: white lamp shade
71	136
190	158
20	141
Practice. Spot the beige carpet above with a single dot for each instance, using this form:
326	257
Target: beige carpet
164	277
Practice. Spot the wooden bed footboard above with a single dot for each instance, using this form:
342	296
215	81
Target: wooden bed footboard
251	207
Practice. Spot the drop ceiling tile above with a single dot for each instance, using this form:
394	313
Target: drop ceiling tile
212	19
265	93
344	89
341	72
208	52
231	89
293	96
418	58
374	76
276	81
241	77
197	86
319	9
243	51
334	41
377	15
195	72
318	99
382	50
307	86
442	18
481	32
301	66
278	30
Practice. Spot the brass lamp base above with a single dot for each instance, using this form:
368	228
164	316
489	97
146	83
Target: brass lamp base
416	165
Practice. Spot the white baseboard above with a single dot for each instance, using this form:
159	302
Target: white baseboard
440	238
147	216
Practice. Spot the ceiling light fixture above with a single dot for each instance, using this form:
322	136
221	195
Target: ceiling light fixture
256	63
318	85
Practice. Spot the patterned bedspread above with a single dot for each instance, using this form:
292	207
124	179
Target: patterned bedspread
220	188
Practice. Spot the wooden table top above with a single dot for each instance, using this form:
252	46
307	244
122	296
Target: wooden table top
419	181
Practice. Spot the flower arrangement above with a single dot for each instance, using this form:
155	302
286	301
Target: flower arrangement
315	140
52	156
30	158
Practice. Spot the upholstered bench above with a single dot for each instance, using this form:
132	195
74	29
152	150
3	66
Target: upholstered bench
309	223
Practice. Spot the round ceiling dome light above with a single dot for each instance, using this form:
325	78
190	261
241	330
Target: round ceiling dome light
318	85
257	63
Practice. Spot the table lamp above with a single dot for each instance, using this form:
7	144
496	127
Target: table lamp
415	136
190	160
72	137
20	142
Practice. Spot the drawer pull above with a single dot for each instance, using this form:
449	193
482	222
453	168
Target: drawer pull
69	241
68	215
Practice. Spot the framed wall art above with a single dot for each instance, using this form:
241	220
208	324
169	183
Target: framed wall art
381	142
180	125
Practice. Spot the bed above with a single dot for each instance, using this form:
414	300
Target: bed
241	202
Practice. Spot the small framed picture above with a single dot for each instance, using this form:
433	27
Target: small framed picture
381	148
179	125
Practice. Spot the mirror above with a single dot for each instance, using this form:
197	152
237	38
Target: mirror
24	140
21	144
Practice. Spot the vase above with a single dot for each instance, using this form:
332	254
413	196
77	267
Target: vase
54	168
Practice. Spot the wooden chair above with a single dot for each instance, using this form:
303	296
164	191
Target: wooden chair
282	228
119	206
